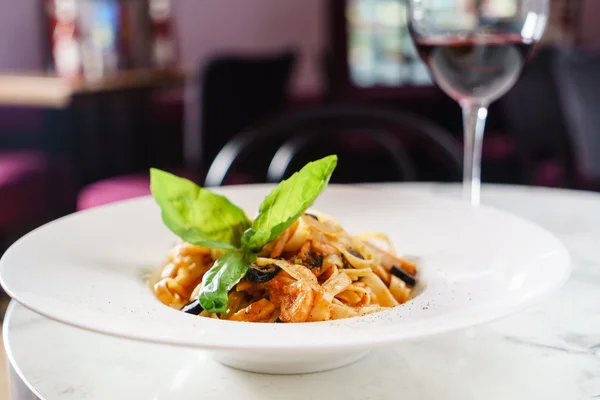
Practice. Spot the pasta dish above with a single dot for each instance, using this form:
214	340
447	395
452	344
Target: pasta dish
314	271
286	265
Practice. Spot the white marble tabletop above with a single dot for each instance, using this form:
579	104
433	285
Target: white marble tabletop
550	351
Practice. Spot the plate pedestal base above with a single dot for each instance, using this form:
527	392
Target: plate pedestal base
285	364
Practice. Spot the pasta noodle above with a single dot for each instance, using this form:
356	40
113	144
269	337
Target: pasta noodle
314	271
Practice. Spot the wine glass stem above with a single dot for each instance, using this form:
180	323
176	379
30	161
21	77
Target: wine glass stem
474	117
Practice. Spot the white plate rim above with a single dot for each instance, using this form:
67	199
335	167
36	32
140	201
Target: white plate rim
466	320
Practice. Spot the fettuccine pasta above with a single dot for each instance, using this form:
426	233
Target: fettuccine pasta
314	271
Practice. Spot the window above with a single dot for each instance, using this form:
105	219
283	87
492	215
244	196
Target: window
380	50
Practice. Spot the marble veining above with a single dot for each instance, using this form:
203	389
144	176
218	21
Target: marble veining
550	351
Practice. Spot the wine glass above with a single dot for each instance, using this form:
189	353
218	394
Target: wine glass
476	50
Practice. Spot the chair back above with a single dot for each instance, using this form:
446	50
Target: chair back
578	77
533	113
238	91
372	134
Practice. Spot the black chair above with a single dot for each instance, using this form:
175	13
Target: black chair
238	91
234	92
533	113
398	136
578	77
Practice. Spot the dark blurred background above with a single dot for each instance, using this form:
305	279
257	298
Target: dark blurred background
93	92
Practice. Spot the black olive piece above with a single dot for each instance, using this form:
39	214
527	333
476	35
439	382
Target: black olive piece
314	260
258	274
409	280
193	307
278	321
356	254
312	216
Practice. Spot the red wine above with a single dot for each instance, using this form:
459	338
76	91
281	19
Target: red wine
482	69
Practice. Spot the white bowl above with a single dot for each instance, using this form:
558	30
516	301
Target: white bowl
91	269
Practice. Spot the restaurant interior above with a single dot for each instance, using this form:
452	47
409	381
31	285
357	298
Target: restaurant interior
93	93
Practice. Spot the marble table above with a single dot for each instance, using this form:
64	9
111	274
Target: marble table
550	351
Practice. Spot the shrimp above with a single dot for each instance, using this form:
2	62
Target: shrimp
276	286
320	311
255	312
297	302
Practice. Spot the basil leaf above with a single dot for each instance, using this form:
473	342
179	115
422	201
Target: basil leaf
197	215
287	202
225	273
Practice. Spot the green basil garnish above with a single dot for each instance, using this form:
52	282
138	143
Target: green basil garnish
227	271
197	215
203	218
287	202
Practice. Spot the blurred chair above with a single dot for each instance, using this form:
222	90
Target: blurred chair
239	91
395	135
235	92
36	185
534	117
27	189
578	77
36	182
